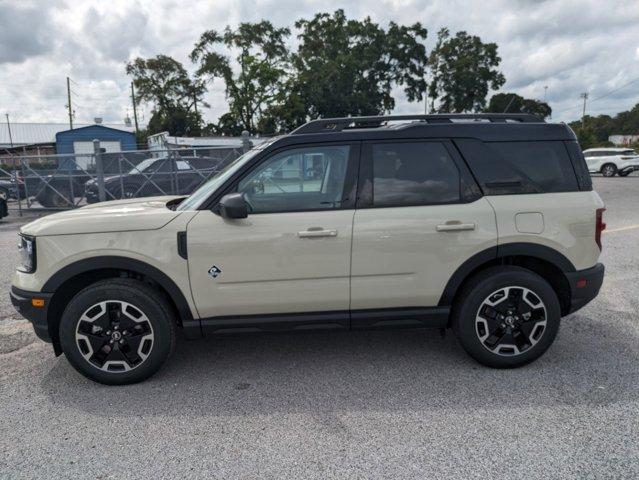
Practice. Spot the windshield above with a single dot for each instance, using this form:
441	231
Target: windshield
196	199
143	165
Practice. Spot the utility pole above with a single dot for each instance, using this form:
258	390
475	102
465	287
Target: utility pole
9	128
135	111
69	103
545	91
583	115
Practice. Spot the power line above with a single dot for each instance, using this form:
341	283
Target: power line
615	90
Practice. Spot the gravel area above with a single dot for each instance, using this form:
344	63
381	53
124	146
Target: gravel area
391	404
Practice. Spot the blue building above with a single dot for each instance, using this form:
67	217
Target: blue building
80	140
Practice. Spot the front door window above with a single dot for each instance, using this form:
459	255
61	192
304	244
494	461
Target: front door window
302	179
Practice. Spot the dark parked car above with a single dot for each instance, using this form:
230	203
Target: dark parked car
157	176
4	211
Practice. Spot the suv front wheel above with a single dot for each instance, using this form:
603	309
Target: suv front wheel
117	331
506	317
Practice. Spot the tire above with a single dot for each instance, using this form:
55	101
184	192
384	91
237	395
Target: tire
52	199
105	338
624	174
608	169
479	325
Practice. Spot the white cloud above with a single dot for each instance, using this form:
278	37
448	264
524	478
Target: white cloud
571	47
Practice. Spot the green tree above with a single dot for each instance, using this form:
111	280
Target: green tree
165	83
513	103
349	67
463	71
262	57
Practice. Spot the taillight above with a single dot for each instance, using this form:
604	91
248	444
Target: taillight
600	226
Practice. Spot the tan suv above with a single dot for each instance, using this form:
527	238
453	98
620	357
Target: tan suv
487	224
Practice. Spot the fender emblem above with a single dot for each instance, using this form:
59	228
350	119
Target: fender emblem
214	271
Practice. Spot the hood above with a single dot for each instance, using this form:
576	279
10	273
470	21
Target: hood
117	216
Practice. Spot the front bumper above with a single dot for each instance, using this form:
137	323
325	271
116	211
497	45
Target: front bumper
584	286
22	300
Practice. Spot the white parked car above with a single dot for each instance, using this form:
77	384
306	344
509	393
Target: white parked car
611	161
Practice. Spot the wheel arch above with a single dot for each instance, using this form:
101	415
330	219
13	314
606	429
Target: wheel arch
68	281
545	261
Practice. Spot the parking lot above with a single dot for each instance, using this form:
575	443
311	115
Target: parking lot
386	404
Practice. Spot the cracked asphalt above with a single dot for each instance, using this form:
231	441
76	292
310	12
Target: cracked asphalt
386	404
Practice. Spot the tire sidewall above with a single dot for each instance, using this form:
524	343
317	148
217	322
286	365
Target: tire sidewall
477	292
163	335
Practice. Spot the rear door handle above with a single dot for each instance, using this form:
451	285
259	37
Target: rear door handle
316	232
455	227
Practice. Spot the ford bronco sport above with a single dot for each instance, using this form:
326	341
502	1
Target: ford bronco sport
487	224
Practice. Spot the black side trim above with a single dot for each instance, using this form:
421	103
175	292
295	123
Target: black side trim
410	317
510	249
463	271
536	250
182	245
276	322
121	263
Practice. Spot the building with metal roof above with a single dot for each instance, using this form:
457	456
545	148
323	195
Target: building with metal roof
24	134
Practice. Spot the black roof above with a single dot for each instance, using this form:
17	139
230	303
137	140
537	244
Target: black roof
486	127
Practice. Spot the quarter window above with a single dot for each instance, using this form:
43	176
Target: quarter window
413	173
310	178
507	168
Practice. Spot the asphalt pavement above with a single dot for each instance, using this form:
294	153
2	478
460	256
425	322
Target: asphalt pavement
386	404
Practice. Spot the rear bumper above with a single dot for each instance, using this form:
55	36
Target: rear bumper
584	286
22	301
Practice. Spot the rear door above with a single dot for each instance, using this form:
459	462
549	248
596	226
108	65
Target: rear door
420	216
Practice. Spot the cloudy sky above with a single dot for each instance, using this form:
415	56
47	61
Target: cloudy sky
570	46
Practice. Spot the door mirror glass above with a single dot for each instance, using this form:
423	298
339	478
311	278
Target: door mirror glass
233	205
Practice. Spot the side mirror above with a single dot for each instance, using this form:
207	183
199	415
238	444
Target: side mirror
233	205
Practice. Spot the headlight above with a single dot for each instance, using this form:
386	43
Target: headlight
27	254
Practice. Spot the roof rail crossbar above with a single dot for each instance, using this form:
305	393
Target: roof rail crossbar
329	125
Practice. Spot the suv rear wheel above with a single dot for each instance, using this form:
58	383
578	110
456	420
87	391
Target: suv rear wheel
507	317
117	331
608	170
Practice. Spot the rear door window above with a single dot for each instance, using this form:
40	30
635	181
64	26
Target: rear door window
413	173
520	167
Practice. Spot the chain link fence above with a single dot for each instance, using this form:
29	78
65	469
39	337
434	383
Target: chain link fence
71	181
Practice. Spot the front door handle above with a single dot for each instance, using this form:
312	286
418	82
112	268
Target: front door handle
316	232
455	227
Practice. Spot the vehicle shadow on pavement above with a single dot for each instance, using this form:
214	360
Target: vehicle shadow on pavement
374	370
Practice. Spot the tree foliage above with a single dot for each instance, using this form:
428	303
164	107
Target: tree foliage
262	57
513	103
348	67
463	71
165	83
595	131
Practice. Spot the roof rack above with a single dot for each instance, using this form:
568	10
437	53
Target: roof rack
330	125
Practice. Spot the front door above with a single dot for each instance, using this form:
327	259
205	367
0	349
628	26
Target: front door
292	254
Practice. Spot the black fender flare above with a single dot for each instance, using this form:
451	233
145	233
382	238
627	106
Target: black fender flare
534	250
121	263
